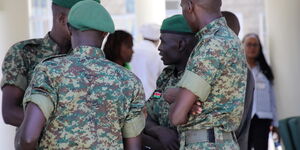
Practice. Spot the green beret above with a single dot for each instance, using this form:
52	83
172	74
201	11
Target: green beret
88	14
68	3
176	24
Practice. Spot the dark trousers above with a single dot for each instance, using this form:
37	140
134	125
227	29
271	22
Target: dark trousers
259	133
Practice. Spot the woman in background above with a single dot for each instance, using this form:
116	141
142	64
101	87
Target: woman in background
264	107
118	48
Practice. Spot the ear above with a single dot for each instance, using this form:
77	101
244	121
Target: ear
189	6
181	45
62	18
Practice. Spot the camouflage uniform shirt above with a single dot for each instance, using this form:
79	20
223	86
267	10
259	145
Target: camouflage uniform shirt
157	107
216	72
89	102
21	59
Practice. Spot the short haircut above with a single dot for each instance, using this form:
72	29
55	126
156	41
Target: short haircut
232	21
210	5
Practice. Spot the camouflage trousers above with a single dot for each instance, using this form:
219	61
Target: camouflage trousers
221	143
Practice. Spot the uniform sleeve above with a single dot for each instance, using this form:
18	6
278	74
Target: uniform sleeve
202	68
41	91
13	68
135	120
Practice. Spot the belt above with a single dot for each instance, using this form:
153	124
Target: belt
204	135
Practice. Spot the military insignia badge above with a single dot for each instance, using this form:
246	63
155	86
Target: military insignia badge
157	94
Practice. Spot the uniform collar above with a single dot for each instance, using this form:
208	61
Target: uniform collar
88	51
211	28
51	44
173	71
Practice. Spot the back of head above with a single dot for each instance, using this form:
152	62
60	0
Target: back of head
232	21
59	31
150	31
90	23
199	13
213	6
114	42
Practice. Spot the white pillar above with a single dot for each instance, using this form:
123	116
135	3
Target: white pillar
149	11
14	27
283	24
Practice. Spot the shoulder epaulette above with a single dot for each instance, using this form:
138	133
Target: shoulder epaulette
30	42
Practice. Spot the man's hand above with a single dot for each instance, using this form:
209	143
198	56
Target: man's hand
275	130
179	110
170	94
168	138
196	109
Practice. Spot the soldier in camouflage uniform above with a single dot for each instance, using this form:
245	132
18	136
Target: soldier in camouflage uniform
216	76
22	58
242	132
177	42
82	100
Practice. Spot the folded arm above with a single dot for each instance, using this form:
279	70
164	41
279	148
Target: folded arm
180	109
12	110
31	128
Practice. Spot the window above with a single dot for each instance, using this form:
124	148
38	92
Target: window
40	18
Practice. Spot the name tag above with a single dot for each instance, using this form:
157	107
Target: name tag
261	85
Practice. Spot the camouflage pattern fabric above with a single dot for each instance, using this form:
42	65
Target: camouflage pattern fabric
157	107
89	102
21	59
216	72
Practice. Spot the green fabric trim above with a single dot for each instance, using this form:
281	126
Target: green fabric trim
127	66
43	102
195	84
20	82
134	127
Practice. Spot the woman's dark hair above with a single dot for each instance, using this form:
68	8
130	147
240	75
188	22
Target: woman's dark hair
265	68
113	44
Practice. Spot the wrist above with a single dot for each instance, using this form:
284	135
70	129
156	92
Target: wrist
157	131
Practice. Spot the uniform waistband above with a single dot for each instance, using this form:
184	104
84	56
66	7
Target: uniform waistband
206	135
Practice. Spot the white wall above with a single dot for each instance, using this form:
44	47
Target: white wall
14	27
283	24
149	11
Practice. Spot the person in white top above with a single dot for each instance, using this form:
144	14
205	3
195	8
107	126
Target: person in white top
146	63
264	116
